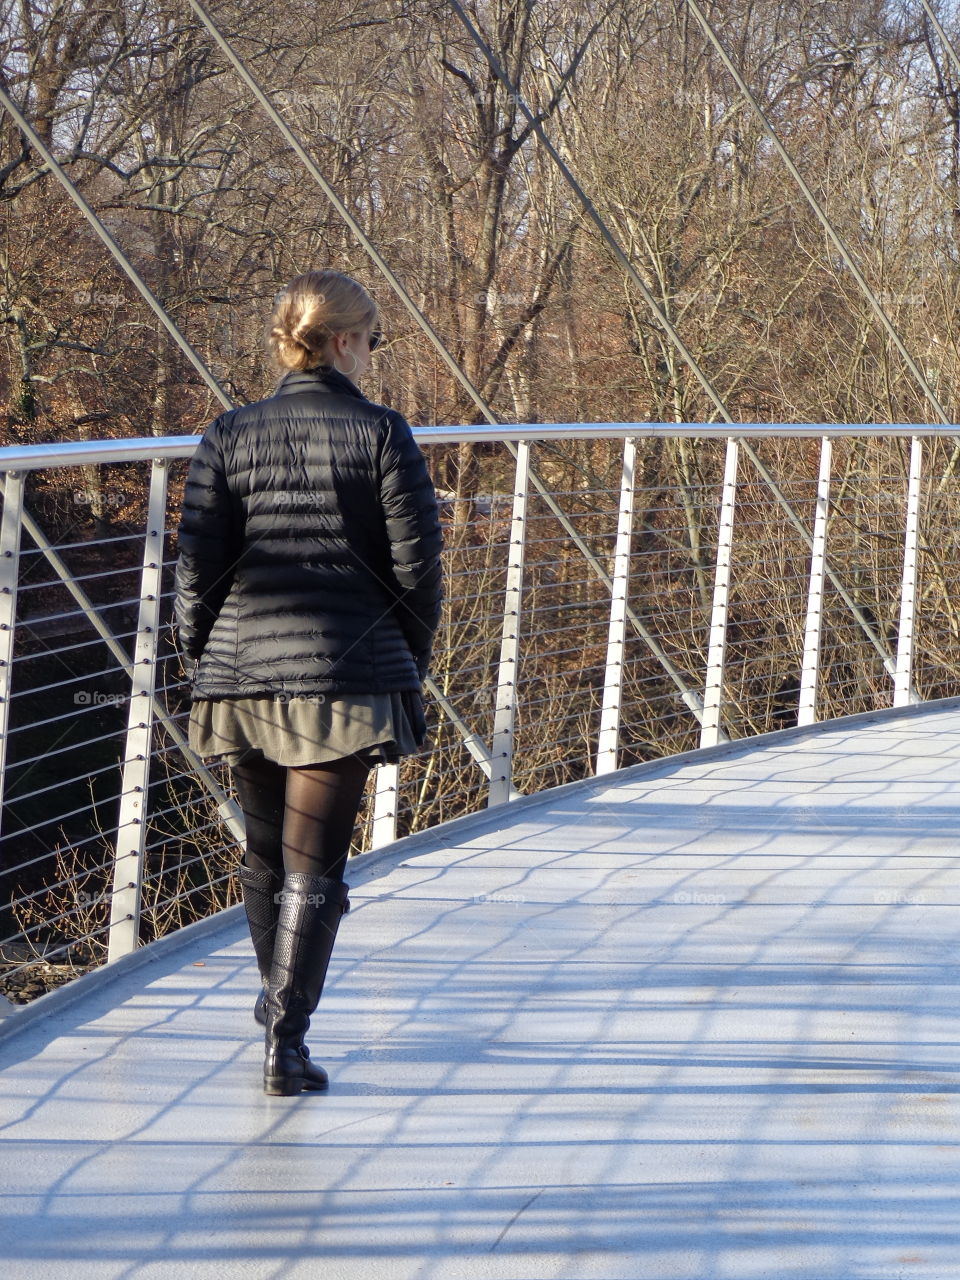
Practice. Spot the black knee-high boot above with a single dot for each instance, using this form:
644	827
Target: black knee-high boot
261	898
310	911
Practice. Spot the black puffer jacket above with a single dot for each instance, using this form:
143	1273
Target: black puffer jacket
309	547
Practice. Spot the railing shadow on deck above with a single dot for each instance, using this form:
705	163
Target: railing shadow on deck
703	1006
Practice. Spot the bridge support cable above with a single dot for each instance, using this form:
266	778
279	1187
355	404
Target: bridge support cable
899	668
590	209
148	708
691	361
473	743
938	27
954	57
118	254
225	805
294	143
691	699
834	236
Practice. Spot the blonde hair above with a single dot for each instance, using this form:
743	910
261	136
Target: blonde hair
310	310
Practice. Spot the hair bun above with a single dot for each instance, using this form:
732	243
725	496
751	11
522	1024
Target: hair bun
310	310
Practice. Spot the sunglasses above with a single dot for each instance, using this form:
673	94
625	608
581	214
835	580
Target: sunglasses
376	337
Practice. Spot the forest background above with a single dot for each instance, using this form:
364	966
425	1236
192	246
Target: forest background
437	163
440	166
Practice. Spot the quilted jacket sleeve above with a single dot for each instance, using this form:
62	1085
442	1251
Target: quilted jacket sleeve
207	544
416	541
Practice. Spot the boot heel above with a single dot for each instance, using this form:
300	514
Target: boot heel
281	1086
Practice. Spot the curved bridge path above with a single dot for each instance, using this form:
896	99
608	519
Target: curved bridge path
697	1019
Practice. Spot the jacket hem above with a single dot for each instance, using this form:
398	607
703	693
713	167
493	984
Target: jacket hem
337	691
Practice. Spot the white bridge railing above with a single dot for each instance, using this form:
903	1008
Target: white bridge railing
614	593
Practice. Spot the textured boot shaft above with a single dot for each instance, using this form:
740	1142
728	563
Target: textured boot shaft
311	908
261	901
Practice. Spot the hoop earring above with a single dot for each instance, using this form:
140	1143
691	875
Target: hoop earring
356	364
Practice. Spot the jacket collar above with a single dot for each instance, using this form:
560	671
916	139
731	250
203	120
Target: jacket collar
325	378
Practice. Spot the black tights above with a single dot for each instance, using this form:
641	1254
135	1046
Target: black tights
300	820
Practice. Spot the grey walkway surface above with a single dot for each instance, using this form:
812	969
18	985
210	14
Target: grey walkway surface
693	1020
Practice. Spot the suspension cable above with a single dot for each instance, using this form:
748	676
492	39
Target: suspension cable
416	313
295	144
947	42
693	701
125	264
815	205
590	209
690	697
684	351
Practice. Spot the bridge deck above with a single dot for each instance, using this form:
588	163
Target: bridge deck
698	1019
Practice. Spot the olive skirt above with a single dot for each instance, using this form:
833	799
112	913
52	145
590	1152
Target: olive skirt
304	729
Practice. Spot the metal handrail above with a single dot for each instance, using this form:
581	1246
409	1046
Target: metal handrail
643	658
32	457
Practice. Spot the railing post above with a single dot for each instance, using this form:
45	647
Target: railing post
132	824
713	686
10	527
384	830
608	739
903	693
812	632
501	753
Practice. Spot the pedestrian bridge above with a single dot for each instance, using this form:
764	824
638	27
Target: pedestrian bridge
697	1018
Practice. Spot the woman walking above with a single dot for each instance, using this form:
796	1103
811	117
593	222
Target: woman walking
308	591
